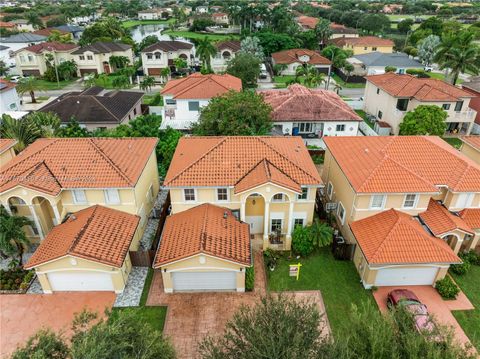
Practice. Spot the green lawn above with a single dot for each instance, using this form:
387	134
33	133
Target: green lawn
106	82
153	100
454	141
47	85
337	280
344	84
132	23
469	320
363	115
196	35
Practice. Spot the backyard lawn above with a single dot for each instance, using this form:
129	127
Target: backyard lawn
454	141
106	81
132	23
337	280
469	320
344	84
196	35
47	85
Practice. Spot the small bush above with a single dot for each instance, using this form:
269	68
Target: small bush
471	257
249	279
447	288
460	269
302	243
270	258
317	159
390	69
417	72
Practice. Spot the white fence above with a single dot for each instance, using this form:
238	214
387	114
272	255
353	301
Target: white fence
355	104
366	129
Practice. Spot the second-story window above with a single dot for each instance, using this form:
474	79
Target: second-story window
410	201
89	57
340	128
81	57
189	194
193	106
464	200
402	104
79	196
222	194
458	106
377	201
149	56
446	106
304	194
158	55
330	190
111	196
277	197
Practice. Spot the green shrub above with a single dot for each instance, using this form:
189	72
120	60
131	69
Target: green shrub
270	258
460	269
249	278
447	288
302	242
417	72
317	159
390	69
471	257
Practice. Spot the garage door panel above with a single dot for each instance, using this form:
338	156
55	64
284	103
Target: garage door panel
204	281
406	276
80	281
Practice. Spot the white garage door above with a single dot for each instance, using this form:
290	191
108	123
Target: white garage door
80	281
204	281
406	276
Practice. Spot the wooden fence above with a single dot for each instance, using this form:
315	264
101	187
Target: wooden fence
142	258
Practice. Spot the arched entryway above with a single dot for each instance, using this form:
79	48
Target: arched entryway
254	212
18	207
454	241
45	213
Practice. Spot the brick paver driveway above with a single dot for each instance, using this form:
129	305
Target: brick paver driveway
22	315
191	316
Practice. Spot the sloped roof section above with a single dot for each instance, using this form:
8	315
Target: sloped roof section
473	141
393	237
363	41
440	220
228	44
49	46
198	86
403	164
397	59
293	55
205	229
6	144
225	161
103	48
471	216
96	233
52	164
168	46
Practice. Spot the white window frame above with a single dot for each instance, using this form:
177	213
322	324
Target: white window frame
330	190
342	218
76	199
415	201
466	198
271	224
194	195
107	194
300	195
340	128
382	206
299	219
217	194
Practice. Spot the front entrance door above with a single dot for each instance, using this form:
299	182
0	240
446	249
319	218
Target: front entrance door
106	68
256	224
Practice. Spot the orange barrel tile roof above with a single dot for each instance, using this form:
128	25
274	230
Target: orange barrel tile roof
473	141
301	103
52	164
471	216
307	21
403	164
238	160
394	237
202	86
205	229
420	89
293	55
440	220
96	233
49	46
6	144
363	41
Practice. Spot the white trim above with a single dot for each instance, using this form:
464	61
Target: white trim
222	200
386	266
382	206
342	220
303	200
399	209
106	196
194	193
77	270
197	254
201	202
203	268
76	257
271	184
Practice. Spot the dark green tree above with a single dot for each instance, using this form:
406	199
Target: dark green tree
13	240
246	67
72	129
424	120
44	344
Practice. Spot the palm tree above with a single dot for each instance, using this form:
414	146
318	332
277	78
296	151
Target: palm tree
118	62
34	20
205	51
13	240
312	78
165	73
23	130
68	69
121	82
460	61
29	85
323	31
147	83
57	36
128	71
47	122
322	233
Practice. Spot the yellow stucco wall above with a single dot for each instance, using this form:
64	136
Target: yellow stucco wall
359	50
6	156
471	152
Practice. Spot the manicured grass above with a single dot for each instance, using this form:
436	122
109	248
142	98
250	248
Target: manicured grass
455	142
146	287
363	115
106	82
399	16
469	320
441	76
196	35
153	100
344	84
132	23
337	280
47	85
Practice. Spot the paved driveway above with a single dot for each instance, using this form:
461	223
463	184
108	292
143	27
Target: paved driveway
441	309
192	316
22	315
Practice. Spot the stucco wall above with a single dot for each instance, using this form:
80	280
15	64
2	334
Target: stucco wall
471	152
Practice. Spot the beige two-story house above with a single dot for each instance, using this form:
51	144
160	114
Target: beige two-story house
408	204
390	96
364	44
160	56
471	147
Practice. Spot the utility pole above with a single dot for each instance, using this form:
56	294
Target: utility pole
330	71
55	65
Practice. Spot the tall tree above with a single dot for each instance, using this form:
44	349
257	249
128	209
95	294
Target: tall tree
246	67
147	83
251	45
323	31
13	240
427	49
205	51
121	82
29	85
24	131
424	120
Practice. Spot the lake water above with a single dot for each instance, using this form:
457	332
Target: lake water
141	31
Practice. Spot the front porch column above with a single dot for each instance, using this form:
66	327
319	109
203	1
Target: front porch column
458	244
56	213
7	208
288	242
473	242
36	221
266	216
242	209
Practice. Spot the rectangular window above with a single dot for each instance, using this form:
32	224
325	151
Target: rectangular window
79	196
365	48
341	212
330	190
89	57
189	194
377	201
340	128
465	200
402	104
458	106
304	194
277	197
276	225
410	200
22	58
378	91
158	55
111	196
305	127
297	222
446	106
149	56
193	106
380	114
222	194
170	102
135	111
30	58
374	49
82	57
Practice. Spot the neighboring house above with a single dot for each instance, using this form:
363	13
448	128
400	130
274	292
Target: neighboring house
294	58
201	9
9	99
6	56
154	14
184	97
89	251
226	50
56	176
473	87
310	23
50	30
307	22
23	25
160	55
75	30
95	58
97	108
7	152
390	96
394	197
20	41
364	44
471	147
31	61
10	26
220	18
374	63
268	182
216	8
311	114
204	248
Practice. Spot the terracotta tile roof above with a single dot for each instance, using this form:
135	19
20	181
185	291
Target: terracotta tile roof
219	14
6	85
101	47
49	46
205	229
52	164
301	103
228	44
471	216
440	220
202	86
7	24
403	164
473	141
308	22
226	161
293	55
342	29
421	89
96	233
48	31
363	41
393	237
6	144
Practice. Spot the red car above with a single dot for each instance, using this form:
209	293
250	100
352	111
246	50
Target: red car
408	300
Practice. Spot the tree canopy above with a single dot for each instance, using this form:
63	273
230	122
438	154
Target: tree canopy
246	67
424	120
